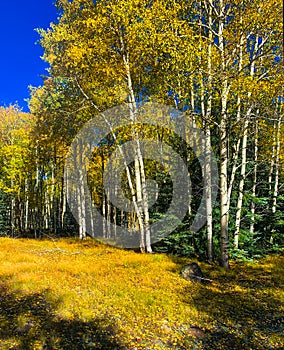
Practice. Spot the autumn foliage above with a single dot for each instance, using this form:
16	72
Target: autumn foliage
66	294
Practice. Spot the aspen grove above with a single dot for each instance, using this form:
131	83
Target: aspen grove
220	63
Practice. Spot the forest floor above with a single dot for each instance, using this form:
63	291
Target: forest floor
67	294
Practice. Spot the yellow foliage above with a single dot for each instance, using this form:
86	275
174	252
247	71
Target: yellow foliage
67	293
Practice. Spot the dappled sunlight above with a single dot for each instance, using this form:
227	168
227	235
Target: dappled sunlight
68	294
29	321
245	307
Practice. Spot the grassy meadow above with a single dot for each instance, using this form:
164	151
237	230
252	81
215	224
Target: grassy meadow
67	294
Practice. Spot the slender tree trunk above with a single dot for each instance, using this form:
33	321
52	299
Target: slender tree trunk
104	215
237	145
277	158
115	213
26	215
81	195
145	205
277	165
244	151
53	197
141	190
208	189
272	162
235	156
224	140
104	228
208	170
13	212
63	202
241	185
224	199
252	208
108	218
46	208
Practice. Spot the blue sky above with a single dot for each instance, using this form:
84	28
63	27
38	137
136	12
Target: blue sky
20	62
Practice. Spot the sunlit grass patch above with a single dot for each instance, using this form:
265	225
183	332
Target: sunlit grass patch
95	296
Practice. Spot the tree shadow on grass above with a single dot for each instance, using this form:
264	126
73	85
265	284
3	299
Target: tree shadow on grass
29	321
243	307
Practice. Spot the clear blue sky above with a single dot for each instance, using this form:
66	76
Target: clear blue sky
20	62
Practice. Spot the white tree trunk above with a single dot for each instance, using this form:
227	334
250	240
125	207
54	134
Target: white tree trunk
277	158
81	196
208	170
141	190
224	139
26	215
252	208
244	153
241	185
277	165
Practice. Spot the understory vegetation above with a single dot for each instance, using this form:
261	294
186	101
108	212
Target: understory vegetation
71	294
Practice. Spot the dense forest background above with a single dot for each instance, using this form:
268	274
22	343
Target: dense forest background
219	63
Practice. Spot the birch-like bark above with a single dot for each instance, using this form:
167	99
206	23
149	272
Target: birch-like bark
13	214
241	184
46	209
145	204
104	215
81	195
277	165
53	199
224	139
108	218
63	201
207	172
237	145
207	168
244	155
26	208
252	208
103	203
272	162
141	190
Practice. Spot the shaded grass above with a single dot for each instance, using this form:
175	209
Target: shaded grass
245	306
68	294
29	321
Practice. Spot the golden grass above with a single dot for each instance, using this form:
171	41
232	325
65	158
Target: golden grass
67	294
